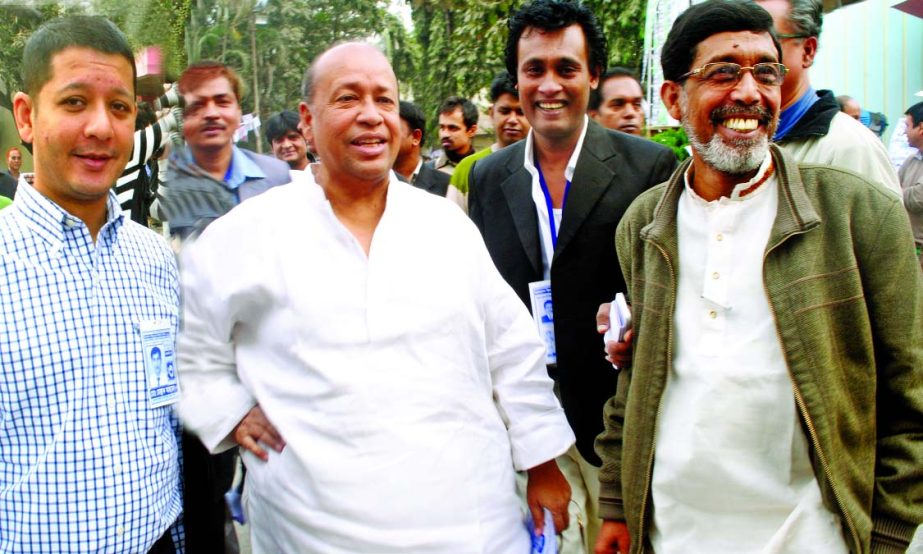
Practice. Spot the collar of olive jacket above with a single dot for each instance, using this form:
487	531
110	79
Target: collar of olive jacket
795	215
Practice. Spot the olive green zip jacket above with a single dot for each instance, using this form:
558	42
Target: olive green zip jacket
847	294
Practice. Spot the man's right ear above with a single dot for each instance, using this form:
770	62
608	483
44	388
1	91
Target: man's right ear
808	51
417	136
670	92
304	125
23	112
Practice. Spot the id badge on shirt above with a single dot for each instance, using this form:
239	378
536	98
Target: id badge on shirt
157	344
543	314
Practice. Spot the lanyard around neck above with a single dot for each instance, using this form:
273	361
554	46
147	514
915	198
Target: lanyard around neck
548	203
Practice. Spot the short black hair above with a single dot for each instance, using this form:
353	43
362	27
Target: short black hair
553	15
281	123
469	110
145	117
72	31
413	115
503	84
916	113
596	96
709	18
198	73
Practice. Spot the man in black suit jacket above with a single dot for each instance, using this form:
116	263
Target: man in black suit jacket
409	163
571	175
7	185
432	180
9	180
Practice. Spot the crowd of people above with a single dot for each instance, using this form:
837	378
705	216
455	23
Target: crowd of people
400	375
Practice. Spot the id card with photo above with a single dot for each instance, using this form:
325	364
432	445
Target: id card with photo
543	314
158	349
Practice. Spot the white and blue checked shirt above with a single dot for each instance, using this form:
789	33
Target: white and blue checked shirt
85	464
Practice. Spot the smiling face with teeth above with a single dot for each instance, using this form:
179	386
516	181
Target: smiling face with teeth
81	125
729	124
554	82
353	116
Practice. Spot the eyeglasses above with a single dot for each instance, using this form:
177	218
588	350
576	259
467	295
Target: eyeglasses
782	36
726	73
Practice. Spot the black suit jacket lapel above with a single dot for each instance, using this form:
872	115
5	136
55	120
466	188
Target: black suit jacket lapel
426	181
517	189
592	178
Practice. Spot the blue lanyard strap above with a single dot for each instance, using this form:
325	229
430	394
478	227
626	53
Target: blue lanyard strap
549	205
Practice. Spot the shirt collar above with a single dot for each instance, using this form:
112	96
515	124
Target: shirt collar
742	191
241	170
51	221
571	163
416	171
793	114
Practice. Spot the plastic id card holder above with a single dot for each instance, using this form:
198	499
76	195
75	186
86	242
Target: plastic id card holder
158	345
543	314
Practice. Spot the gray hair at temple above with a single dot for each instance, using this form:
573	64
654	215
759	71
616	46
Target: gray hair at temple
806	17
307	83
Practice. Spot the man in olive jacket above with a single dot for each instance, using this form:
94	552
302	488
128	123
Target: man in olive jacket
774	400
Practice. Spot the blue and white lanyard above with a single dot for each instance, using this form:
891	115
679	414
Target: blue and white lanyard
549	205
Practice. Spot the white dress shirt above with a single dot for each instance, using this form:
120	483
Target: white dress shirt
731	471
405	406
538	197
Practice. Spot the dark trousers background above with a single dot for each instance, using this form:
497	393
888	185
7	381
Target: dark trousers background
206	479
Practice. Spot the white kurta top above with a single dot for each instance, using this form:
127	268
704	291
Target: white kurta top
407	384
732	472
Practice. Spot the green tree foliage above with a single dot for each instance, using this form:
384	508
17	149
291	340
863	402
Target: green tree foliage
459	44
145	23
151	23
275	54
676	140
16	24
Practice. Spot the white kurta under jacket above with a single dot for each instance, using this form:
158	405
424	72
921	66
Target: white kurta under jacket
407	384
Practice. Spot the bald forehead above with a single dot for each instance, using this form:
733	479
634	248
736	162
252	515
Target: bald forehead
348	49
352	56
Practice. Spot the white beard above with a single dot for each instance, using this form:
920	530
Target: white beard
734	158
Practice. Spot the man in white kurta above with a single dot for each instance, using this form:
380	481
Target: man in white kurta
403	374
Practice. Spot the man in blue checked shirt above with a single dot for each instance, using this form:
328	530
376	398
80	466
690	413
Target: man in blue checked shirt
88	449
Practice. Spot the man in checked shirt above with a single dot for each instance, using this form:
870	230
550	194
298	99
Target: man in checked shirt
88	450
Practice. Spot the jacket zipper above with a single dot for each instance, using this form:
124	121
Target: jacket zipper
812	432
649	475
